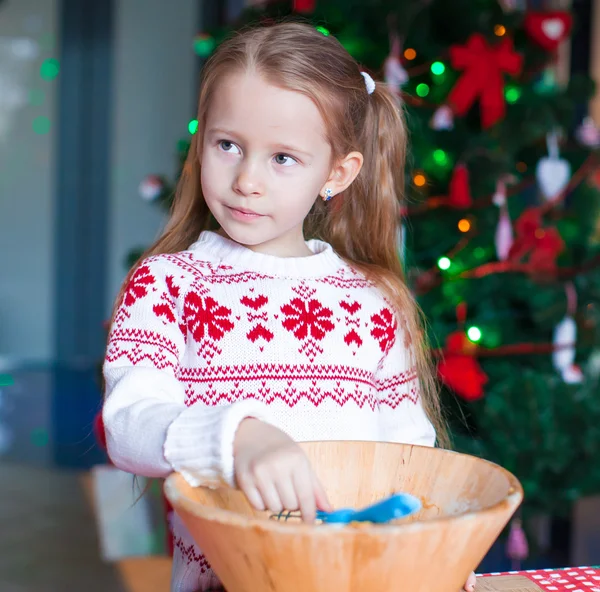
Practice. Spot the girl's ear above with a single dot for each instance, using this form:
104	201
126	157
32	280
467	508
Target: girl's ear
342	175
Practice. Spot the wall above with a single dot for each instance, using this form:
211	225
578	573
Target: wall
154	86
28	33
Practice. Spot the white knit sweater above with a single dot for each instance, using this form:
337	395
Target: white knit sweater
217	333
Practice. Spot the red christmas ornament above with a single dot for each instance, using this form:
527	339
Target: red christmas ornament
460	192
304	5
459	369
484	67
548	29
99	433
540	246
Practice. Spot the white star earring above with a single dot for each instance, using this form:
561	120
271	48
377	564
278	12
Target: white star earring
328	194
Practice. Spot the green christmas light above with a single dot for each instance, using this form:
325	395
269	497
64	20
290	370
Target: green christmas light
6	380
39	437
438	68
204	45
41	125
323	30
474	334
440	157
444	263
193	126
512	94
49	69
36	97
479	252
422	89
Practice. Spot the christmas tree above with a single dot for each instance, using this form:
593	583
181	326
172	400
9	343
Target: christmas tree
501	241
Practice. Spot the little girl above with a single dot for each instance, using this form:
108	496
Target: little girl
228	347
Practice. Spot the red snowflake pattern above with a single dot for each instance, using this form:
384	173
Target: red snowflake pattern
205	317
166	308
385	328
138	285
305	319
192	555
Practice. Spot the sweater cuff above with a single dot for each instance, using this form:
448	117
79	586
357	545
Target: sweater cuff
199	443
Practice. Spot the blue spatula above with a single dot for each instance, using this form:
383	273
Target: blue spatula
399	505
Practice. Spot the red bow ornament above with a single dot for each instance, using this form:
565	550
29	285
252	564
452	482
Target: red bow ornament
483	77
459	189
540	245
459	369
304	5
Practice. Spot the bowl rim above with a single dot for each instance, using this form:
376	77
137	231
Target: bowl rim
511	501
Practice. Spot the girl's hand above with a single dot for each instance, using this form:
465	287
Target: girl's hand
471	581
274	473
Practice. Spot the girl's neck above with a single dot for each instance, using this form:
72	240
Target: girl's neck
283	247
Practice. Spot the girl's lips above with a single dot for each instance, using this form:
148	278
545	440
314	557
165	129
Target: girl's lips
244	214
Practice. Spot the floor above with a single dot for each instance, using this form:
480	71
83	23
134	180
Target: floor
48	534
48	537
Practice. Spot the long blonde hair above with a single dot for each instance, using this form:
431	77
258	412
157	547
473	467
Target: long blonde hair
362	225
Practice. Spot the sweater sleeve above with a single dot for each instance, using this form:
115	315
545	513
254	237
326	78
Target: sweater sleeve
149	429
402	416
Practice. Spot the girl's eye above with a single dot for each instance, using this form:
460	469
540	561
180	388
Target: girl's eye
285	160
228	147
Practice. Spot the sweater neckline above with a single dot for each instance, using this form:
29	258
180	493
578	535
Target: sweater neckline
324	260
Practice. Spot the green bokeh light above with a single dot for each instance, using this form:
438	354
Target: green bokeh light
444	263
512	94
474	334
440	157
50	69
39	437
323	30
422	89
37	97
438	68
41	125
193	126
204	45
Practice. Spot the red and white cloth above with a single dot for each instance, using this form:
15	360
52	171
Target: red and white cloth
575	579
209	336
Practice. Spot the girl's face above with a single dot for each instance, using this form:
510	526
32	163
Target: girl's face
265	160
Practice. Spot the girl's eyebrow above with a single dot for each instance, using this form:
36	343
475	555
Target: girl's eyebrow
220	130
288	148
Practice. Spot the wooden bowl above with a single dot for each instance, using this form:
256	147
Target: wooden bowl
466	504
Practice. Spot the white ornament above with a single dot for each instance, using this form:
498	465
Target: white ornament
563	357
395	74
504	231
553	28
572	375
552	172
588	134
151	188
512	5
443	118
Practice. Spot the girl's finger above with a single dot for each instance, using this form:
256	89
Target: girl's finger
246	484
471	581
269	494
287	493
303	484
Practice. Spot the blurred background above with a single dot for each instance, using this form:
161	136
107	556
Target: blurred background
501	245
